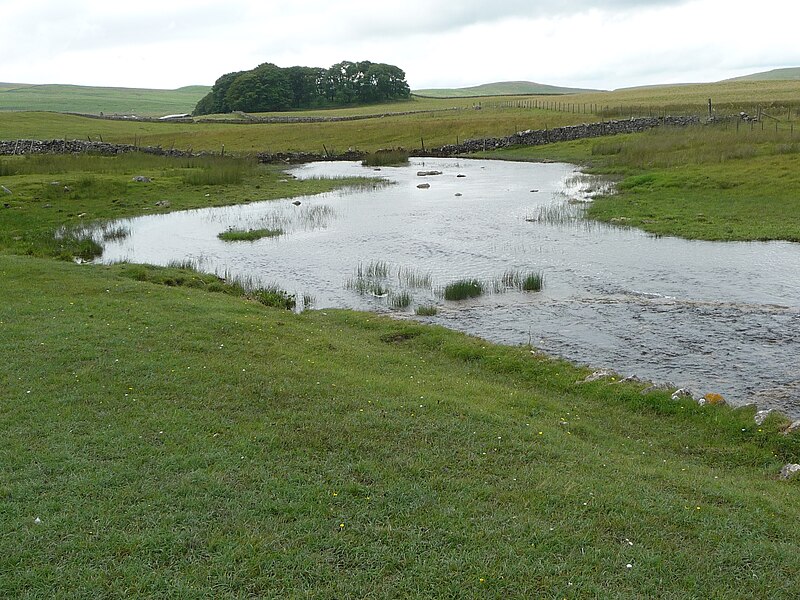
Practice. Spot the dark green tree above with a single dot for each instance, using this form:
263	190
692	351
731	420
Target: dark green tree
270	88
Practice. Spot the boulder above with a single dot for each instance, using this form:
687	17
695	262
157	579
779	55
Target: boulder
793	427
297	203
789	471
762	415
596	376
424	186
426	173
713	399
681	393
141	179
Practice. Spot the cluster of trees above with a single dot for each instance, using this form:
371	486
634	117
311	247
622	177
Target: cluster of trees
270	88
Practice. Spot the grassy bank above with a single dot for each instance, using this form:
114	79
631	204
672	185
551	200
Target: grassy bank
719	182
336	454
51	192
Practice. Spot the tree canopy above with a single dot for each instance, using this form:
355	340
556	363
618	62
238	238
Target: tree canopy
270	88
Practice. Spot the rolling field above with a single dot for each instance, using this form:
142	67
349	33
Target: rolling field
97	100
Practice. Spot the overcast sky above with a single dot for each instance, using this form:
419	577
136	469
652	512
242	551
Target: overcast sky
578	43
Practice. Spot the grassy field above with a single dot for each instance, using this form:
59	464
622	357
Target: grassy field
163	438
168	441
707	182
408	131
97	100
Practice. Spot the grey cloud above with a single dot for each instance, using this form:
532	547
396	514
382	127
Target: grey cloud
437	16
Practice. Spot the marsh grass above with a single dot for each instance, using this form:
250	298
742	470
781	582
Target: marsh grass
377	269
109	232
308	301
560	213
426	310
219	170
400	300
73	242
463	289
369	287
528	282
532	282
248	235
414	278
386	158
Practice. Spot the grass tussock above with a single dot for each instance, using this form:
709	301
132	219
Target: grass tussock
426	310
248	235
463	289
400	300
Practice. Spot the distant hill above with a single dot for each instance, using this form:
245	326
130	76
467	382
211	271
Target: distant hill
788	74
96	100
502	88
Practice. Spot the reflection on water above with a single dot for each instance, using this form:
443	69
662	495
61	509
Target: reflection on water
721	317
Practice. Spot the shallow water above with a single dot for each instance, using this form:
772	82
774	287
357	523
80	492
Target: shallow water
721	317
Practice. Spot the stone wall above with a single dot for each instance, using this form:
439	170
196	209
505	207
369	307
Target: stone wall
523	138
540	137
78	147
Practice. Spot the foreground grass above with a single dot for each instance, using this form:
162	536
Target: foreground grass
708	182
335	454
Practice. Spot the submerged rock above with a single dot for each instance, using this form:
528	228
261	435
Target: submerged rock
424	186
297	203
426	173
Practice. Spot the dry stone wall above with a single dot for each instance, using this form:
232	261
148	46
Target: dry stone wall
523	138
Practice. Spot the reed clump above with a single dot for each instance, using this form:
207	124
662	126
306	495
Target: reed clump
248	235
463	289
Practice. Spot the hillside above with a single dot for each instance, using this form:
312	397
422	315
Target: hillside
96	100
502	88
787	74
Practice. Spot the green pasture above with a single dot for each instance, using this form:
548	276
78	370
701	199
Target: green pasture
97	100
713	182
170	441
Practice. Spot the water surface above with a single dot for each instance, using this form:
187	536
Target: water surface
721	317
